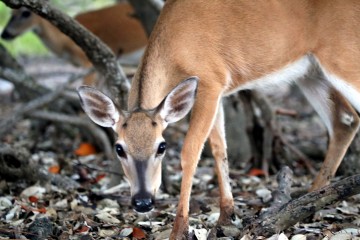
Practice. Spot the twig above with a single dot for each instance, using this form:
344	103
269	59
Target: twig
11	70
270	130
7	124
297	152
26	86
286	112
298	209
98	169
96	132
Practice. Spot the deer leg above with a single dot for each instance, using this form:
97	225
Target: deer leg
218	147
345	123
339	116
201	122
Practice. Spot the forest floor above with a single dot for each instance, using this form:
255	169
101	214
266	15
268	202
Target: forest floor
89	208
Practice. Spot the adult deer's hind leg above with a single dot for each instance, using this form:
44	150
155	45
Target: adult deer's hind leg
218	147
339	116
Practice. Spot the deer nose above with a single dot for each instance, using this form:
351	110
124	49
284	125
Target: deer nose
142	202
6	35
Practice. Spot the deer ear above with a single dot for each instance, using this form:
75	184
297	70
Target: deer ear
99	107
179	101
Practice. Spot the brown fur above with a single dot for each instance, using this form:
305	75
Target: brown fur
227	44
233	42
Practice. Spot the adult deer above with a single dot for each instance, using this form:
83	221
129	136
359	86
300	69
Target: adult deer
220	47
114	25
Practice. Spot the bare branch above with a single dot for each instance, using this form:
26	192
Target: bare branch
96	132
7	124
25	85
298	209
13	72
97	52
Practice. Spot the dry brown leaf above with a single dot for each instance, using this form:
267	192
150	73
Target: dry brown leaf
33	199
85	149
83	229
138	233
54	169
256	172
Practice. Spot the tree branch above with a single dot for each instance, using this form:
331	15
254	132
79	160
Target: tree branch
7	124
98	53
13	72
98	135
298	209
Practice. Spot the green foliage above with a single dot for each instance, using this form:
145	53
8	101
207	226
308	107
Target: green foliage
29	43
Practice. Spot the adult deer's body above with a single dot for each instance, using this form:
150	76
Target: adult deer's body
232	45
114	25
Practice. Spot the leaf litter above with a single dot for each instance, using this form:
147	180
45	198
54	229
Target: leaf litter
99	207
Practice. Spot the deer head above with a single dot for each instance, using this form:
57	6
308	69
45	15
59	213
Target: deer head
140	146
21	21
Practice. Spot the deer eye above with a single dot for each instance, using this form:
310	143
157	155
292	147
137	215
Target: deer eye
25	14
120	151
161	148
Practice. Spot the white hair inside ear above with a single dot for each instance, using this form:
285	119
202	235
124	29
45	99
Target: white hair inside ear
179	101
99	107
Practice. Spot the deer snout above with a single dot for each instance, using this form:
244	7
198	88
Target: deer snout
6	35
143	202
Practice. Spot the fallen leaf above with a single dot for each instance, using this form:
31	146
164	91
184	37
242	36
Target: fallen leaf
106	232
4	203
107	218
126	232
213	217
256	172
42	210
85	149
352	231
281	236
36	191
264	194
51	213
246	237
230	231
138	233
33	199
98	178
163	235
54	169
83	229
342	236
62	204
108	203
201	234
298	237
14	212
